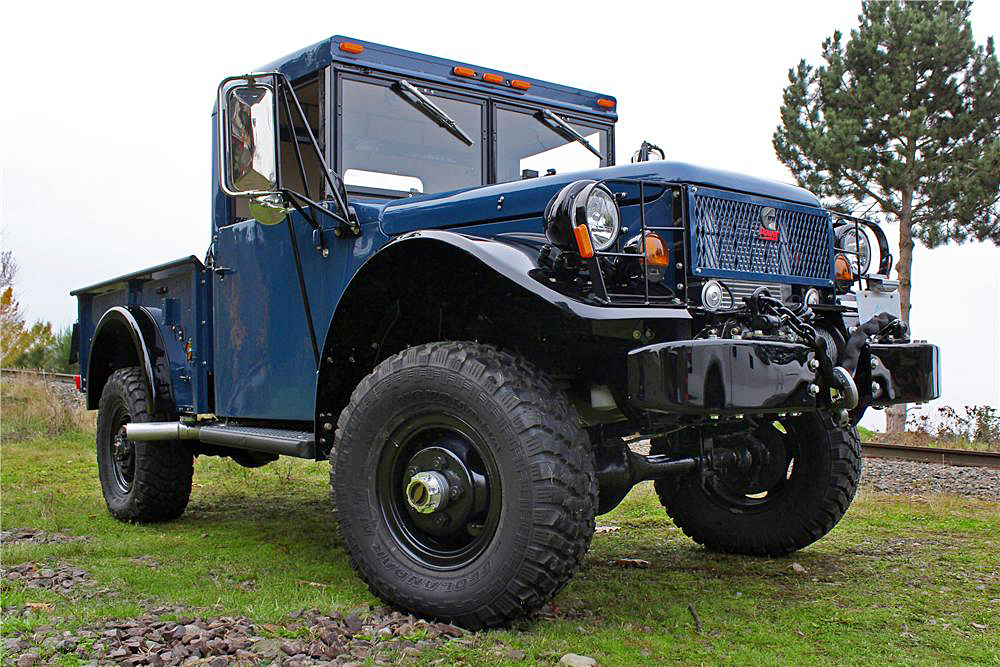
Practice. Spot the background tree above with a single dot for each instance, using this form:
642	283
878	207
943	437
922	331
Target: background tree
36	347
905	117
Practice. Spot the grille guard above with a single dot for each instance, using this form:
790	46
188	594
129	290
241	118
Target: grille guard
696	255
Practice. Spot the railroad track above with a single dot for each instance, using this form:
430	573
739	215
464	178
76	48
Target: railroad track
876	450
65	378
954	457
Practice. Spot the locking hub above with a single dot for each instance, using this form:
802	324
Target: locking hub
427	492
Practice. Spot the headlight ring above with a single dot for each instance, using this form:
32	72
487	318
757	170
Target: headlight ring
584	202
855	242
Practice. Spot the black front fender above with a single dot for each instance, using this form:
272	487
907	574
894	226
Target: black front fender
512	258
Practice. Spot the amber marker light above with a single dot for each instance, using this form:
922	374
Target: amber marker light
605	103
842	269
582	235
520	85
351	47
492	78
656	251
467	72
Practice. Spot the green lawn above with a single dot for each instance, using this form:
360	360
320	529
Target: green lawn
898	581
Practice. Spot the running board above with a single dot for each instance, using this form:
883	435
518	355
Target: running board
270	440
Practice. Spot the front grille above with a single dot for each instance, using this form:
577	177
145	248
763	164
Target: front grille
739	290
727	240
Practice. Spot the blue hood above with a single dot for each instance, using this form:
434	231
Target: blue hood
528	198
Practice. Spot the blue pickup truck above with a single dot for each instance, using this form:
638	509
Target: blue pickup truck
434	276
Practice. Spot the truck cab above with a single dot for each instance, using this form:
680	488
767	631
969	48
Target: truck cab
434	276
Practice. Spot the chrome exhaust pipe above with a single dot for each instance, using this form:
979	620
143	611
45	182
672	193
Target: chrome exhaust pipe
152	431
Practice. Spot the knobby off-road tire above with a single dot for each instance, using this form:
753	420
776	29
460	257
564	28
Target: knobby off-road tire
142	481
807	503
473	412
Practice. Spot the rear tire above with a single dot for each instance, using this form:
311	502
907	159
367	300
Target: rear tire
497	430
818	476
142	481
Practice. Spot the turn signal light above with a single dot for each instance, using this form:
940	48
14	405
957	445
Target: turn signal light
656	250
79	382
605	103
583	243
520	85
842	269
458	70
492	78
351	47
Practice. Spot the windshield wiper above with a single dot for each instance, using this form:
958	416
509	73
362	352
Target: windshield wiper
429	109
565	130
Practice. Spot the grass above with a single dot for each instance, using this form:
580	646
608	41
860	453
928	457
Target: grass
899	581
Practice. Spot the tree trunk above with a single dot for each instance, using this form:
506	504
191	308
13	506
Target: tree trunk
896	414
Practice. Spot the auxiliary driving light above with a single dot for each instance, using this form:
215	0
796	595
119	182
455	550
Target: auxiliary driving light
712	295
812	296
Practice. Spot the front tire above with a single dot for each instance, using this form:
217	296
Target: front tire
142	481
462	484
812	479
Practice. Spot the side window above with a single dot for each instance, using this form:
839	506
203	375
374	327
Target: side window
527	142
389	145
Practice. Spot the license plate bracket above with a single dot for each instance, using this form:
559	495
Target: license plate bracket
872	303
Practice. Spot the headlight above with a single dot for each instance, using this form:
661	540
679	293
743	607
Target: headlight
600	215
583	203
711	295
854	240
812	296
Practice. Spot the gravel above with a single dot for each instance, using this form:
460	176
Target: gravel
914	479
65	580
29	536
308	637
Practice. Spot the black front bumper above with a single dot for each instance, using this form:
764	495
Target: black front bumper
726	377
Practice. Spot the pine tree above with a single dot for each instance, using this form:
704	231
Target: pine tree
905	117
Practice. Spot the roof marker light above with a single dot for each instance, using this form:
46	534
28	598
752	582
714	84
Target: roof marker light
605	103
351	47
467	72
492	78
520	85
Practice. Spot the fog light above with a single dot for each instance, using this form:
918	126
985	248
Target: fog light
711	295
812	296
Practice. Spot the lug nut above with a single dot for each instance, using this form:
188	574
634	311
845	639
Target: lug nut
813	390
440	463
876	389
874	363
441	520
813	365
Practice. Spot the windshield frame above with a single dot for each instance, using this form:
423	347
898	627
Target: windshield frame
490	105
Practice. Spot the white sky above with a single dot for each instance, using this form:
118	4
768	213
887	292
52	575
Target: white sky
105	128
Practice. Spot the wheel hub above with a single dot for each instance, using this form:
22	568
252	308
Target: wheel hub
121	448
427	492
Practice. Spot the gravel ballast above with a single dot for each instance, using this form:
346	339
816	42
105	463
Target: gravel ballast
915	479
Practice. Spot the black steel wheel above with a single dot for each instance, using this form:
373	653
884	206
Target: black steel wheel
788	483
462	484
141	481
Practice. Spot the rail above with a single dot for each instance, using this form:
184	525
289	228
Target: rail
65	378
954	457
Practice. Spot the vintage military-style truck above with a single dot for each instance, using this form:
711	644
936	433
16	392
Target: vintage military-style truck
435	276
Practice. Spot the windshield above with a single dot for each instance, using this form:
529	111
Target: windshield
392	140
530	144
